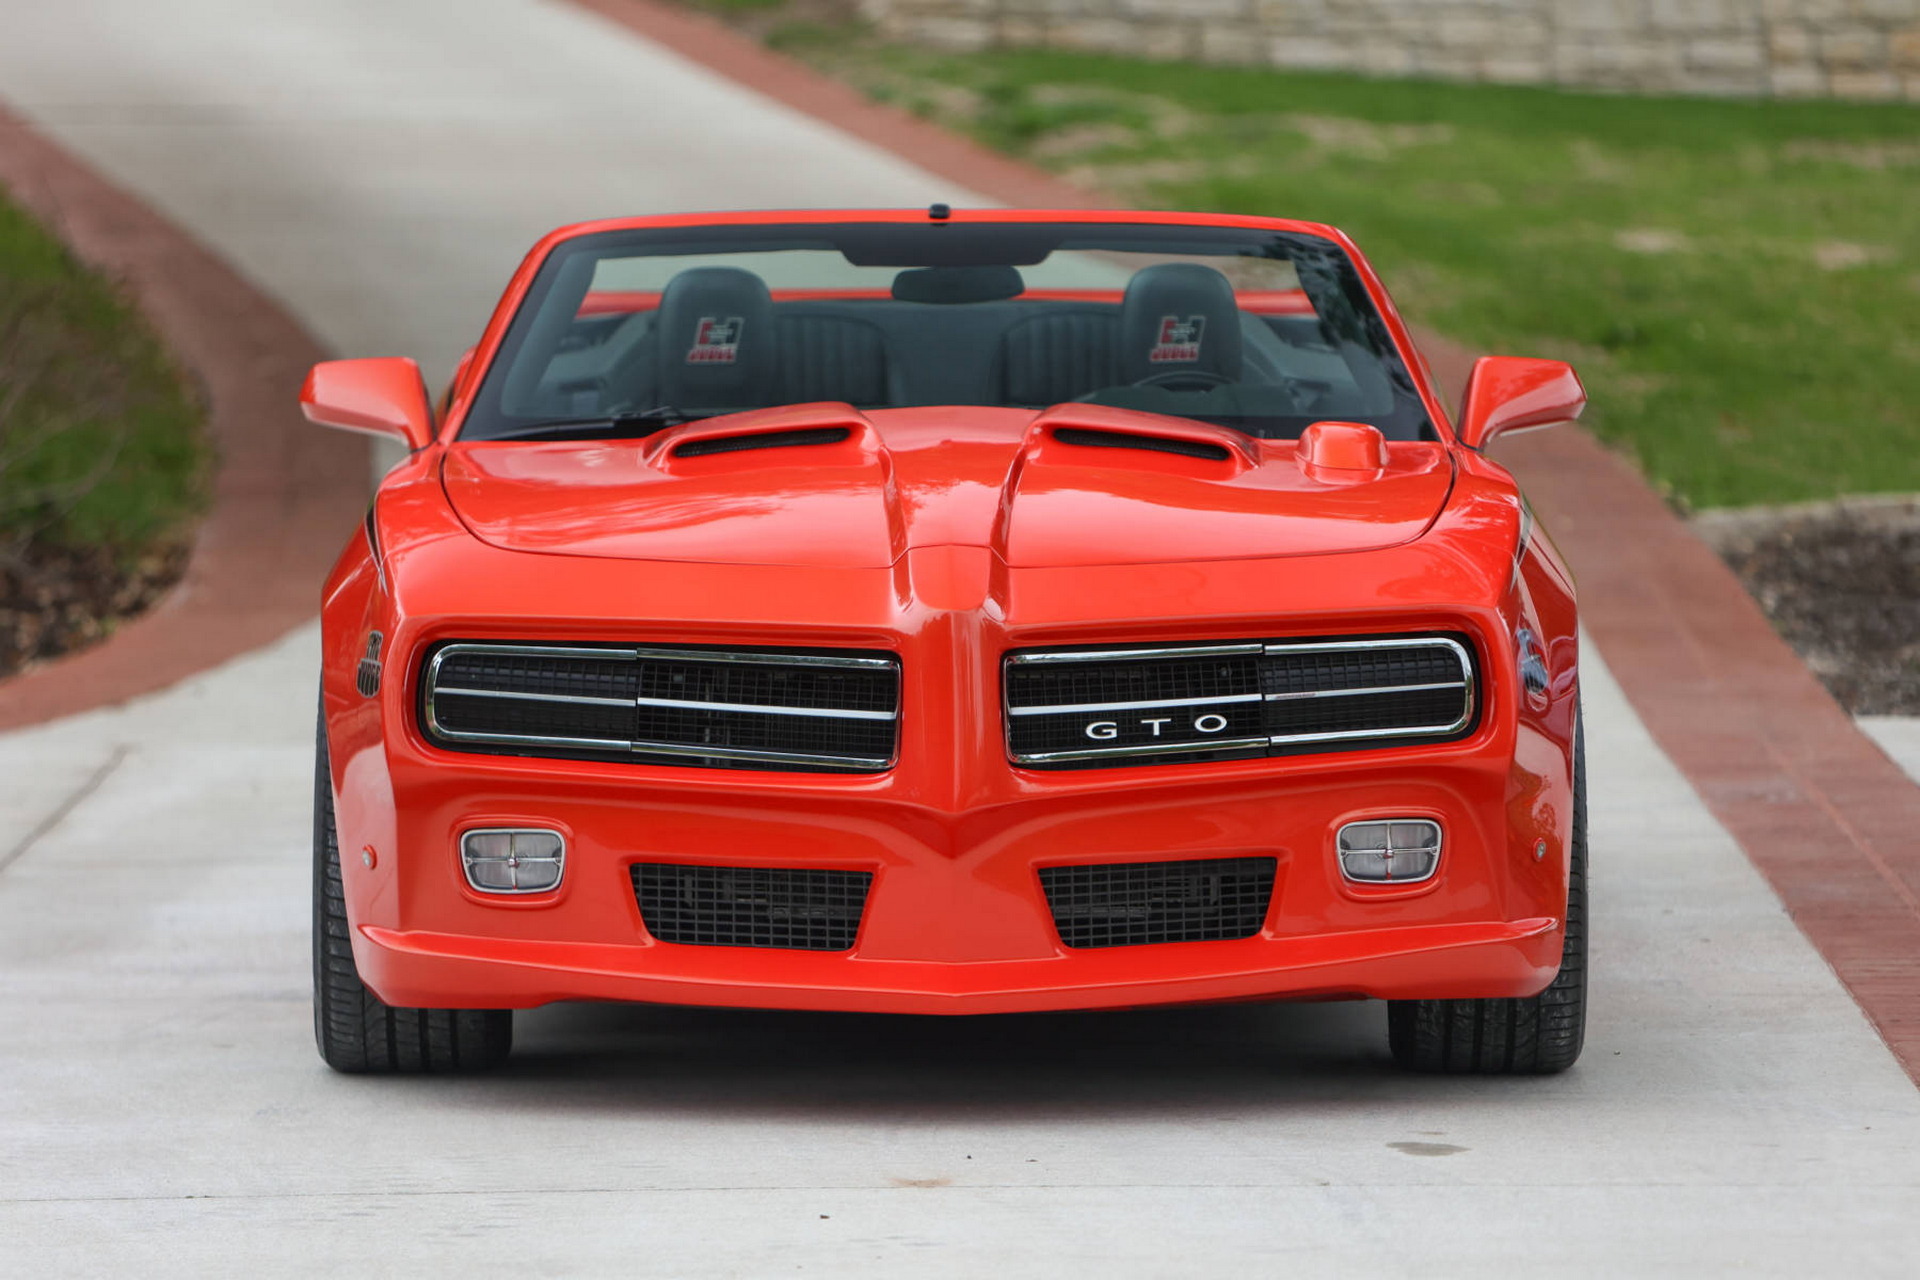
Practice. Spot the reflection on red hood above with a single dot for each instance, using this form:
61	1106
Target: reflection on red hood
872	486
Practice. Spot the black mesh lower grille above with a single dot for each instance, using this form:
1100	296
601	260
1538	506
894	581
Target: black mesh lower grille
801	910
1131	904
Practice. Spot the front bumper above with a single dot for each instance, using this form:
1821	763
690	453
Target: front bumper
956	920
435	969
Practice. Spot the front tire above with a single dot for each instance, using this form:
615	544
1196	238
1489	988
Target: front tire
1538	1035
355	1030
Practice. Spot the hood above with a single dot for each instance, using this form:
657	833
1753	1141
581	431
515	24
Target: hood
827	486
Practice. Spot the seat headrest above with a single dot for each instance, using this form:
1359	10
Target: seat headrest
715	340
1179	316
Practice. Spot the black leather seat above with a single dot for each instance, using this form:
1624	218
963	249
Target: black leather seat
825	357
1058	356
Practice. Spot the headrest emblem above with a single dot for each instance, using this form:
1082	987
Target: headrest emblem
716	340
1179	340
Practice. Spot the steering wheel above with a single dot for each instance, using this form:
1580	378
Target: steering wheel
1186	379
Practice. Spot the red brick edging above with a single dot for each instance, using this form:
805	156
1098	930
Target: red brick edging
285	495
1832	823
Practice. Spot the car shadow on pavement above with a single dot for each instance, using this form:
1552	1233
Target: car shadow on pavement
1017	1067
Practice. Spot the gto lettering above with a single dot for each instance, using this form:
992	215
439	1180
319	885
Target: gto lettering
1103	730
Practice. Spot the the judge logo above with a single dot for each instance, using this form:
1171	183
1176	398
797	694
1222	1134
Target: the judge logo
1179	340
716	340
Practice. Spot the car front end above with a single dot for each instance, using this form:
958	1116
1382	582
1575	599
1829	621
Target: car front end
942	708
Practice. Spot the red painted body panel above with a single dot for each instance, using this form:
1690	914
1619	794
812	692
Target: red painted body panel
975	477
381	397
949	536
1509	394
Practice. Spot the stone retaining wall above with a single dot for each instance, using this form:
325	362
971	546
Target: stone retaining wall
1865	49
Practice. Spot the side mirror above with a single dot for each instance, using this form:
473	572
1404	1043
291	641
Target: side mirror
1506	393
385	397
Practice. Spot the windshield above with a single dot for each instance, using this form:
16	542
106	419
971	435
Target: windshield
626	332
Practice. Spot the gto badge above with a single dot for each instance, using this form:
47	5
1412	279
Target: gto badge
1104	729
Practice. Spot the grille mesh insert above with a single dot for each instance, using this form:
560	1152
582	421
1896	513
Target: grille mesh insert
792	709
704	906
1137	680
1086	709
1135	903
1356	669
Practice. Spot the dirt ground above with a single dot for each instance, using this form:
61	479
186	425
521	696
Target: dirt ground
57	599
1841	582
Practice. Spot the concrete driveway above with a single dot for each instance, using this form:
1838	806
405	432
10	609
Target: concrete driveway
380	168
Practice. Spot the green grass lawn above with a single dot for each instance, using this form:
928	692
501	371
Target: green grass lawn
1738	282
100	440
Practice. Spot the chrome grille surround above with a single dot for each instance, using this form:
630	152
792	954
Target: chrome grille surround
1094	708
786	709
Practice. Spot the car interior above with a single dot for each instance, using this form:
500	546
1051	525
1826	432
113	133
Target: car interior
1175	340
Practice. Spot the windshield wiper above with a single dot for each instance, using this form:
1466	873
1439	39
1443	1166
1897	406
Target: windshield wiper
611	426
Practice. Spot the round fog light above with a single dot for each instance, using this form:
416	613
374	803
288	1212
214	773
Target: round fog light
1394	851
513	860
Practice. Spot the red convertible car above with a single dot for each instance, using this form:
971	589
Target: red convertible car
947	612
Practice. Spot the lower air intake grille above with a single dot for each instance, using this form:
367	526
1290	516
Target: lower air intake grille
1130	904
792	709
1096	708
801	910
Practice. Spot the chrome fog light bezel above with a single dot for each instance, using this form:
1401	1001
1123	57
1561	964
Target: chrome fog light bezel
513	860
1349	841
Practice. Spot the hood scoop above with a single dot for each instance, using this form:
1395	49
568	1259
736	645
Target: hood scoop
760	440
1094	426
788	427
1089	438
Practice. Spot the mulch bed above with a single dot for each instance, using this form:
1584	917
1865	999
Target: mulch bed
1841	583
57	599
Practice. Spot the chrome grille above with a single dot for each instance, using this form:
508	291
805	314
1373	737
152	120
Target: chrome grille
1089	708
713	708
